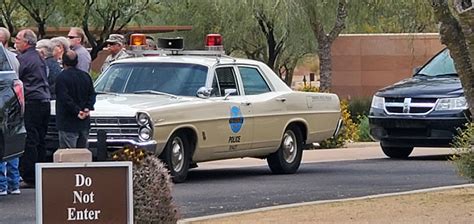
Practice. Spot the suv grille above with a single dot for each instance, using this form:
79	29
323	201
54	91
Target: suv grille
396	105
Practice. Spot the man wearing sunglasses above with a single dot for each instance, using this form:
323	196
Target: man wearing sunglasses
114	45
77	39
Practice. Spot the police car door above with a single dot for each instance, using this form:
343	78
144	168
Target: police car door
235	131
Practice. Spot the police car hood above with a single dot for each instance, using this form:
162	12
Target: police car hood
127	105
422	86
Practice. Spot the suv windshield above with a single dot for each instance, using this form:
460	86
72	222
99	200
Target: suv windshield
173	78
441	64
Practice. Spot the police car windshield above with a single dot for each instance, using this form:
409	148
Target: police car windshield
441	65
172	78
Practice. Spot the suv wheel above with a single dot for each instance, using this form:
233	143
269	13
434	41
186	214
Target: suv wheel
397	152
177	157
287	159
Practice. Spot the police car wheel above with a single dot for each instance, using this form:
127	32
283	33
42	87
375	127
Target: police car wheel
176	157
287	159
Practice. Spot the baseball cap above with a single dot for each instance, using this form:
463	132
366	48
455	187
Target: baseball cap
115	38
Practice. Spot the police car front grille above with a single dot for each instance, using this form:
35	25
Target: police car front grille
416	106
116	128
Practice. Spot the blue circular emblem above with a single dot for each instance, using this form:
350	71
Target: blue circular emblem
236	119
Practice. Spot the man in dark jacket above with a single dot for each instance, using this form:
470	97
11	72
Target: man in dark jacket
75	98
32	73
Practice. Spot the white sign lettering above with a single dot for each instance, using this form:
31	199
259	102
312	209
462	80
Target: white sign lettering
79	197
82	180
73	214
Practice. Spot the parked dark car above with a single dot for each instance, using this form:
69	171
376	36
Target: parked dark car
12	128
425	110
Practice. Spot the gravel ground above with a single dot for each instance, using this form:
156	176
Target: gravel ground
440	206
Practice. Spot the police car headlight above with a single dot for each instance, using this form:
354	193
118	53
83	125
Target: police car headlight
143	119
377	102
458	103
145	133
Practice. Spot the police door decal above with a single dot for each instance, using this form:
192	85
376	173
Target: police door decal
236	119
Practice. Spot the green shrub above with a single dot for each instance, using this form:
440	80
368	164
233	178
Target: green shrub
348	132
363	129
359	107
464	155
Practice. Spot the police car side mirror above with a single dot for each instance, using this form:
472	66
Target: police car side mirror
204	92
229	92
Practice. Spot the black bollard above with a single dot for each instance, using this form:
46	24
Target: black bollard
101	145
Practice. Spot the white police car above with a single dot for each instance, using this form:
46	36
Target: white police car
190	107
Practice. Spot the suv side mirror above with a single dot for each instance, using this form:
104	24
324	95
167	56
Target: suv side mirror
416	69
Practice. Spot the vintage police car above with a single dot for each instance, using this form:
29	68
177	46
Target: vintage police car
12	129
191	107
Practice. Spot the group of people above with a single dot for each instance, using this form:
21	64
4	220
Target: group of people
52	69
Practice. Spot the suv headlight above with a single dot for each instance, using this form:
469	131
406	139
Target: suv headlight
458	103
377	102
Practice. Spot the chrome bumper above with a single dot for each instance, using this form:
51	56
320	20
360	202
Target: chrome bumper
148	145
338	128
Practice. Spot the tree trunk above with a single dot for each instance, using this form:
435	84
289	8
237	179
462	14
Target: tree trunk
453	37
324	54
41	29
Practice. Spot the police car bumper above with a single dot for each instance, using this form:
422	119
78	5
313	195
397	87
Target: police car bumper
115	144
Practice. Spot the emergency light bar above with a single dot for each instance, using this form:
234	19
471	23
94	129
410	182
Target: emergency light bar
172	44
214	42
175	46
137	41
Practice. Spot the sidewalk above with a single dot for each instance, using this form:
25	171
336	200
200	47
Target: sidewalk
439	205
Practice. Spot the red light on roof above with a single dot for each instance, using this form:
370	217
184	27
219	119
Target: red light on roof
213	40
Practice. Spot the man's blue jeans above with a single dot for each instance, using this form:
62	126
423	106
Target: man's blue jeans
9	175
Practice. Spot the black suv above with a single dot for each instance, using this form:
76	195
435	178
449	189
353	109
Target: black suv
12	128
425	110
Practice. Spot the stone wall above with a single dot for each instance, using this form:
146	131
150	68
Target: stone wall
364	63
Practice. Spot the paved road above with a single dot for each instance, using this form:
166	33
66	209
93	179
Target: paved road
213	189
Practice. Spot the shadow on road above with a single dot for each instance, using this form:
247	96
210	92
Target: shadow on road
434	157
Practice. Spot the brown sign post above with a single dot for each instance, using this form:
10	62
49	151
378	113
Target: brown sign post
98	192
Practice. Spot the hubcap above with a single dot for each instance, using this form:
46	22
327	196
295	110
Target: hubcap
289	147
177	154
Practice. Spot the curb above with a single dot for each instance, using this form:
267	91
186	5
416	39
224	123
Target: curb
223	215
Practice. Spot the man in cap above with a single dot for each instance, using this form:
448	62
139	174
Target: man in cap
115	45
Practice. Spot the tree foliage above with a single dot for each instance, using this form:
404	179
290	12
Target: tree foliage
262	30
111	17
390	16
40	11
